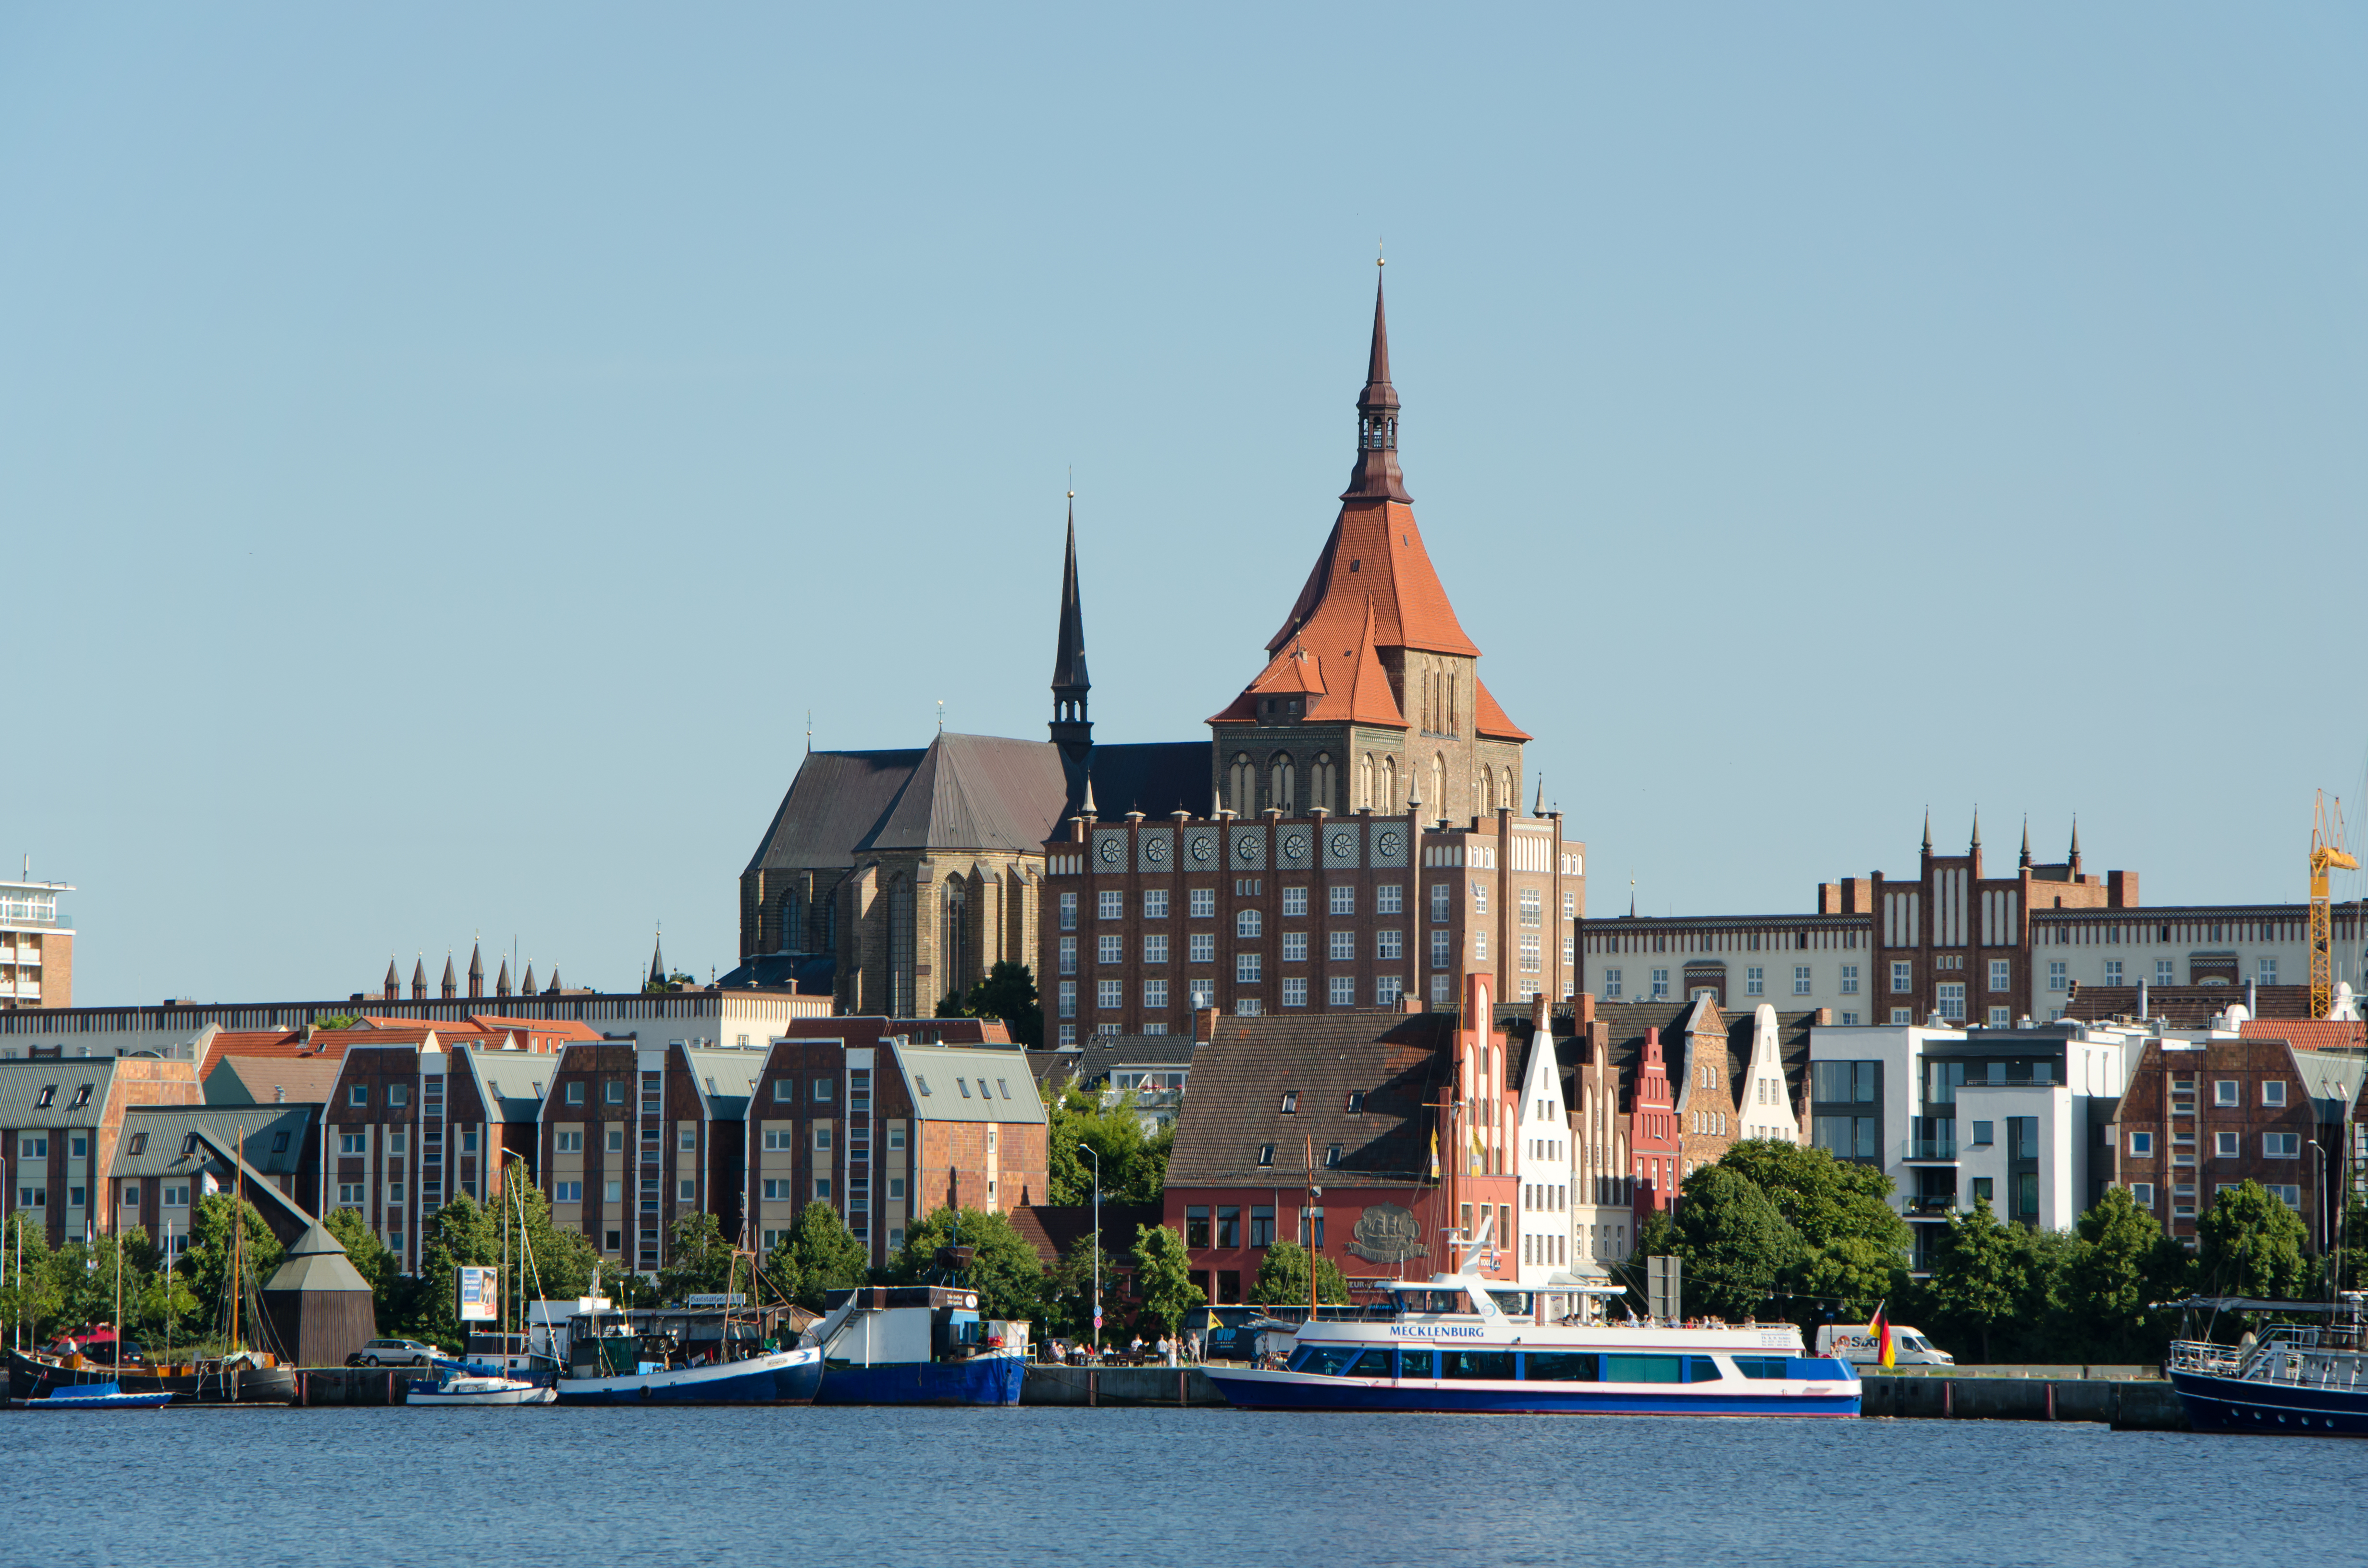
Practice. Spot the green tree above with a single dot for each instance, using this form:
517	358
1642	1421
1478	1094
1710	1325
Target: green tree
1736	1243
2250	1243
1163	1279
32	1303
1007	992
337	1022
462	1234
366	1252
564	1260
1282	1278
699	1263
1069	1291
818	1254
1004	1270
2121	1266
1976	1279
1133	1162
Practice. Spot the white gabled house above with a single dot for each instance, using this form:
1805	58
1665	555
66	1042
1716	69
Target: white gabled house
1545	1240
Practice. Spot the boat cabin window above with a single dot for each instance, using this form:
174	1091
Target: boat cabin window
1475	1364
1515	1303
1434	1301
1346	1361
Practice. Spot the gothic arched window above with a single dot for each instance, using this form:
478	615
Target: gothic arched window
1439	783
1512	792
953	941
1364	782
1487	792
1389	801
1241	785
1320	783
1283	784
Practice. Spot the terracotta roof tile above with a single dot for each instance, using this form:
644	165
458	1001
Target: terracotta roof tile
1397	1061
1491	719
1375	552
2308	1034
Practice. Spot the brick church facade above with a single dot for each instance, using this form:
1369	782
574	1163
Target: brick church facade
1351	833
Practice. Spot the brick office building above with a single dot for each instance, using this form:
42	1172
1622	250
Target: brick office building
59	1120
36	947
2198	1115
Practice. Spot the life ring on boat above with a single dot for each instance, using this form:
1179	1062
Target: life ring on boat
645	1392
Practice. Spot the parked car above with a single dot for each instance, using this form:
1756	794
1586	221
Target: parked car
1852	1343
393	1353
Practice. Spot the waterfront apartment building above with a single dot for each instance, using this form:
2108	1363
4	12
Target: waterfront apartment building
36	947
886	1119
165	1157
2019	1117
2206	1111
59	1118
1964	946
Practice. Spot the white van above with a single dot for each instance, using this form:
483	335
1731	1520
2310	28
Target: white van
1908	1346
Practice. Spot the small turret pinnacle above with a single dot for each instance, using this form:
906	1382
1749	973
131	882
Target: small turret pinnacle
476	970
452	980
657	957
501	980
1927	830
526	986
1978	827
1072	729
1376	476
393	990
2026	838
419	978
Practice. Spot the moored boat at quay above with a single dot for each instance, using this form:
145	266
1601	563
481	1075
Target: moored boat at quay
2298	1379
1464	1344
241	1379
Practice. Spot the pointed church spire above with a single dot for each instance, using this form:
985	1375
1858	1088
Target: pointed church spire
2026	838
554	988
1978	827
476	971
501	980
1086	808
657	957
393	990
1927	830
1072	731
526	986
2075	844
1539	810
419	978
451	983
1376	476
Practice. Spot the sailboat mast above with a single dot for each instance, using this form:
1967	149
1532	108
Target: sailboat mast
238	1234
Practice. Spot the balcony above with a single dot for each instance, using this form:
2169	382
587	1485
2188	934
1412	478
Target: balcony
1939	1149
1932	1206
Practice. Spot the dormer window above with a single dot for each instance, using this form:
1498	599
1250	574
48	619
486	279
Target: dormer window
1332	1154
42	1100
1266	1155
140	1142
189	1144
82	1098
1290	1102
1356	1102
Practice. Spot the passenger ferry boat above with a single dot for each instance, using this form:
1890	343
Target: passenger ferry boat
2298	1379
1459	1342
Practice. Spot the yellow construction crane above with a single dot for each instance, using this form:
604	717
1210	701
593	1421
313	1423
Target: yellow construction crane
2327	853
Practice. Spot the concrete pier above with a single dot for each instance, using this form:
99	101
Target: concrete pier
1118	1386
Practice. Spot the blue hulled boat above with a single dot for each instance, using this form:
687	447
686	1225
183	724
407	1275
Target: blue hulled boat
93	1396
917	1344
2293	1380
1459	1342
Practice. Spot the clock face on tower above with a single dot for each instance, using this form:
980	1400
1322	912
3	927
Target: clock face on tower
1391	843
1156	849
1109	851
1200	849
1344	845
1295	846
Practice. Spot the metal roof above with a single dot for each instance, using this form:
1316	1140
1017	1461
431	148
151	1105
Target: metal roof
21	1083
167	1130
949	1083
726	1079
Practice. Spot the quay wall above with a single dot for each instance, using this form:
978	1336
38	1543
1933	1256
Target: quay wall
1118	1386
2125	1405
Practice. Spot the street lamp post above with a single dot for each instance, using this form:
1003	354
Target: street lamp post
1096	1155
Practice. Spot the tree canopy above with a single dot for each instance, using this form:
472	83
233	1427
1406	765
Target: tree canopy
2250	1243
818	1254
1007	992
1163	1277
1133	1162
1282	1278
1004	1270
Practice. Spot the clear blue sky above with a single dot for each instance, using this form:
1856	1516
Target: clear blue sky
445	451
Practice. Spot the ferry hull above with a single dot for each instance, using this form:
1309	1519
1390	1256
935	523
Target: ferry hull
2238	1404
982	1380
787	1376
1257	1390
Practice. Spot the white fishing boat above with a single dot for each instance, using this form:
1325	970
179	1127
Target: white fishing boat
466	1389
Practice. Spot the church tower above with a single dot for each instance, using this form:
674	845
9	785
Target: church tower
1372	695
1072	731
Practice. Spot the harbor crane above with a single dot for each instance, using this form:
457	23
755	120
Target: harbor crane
2327	853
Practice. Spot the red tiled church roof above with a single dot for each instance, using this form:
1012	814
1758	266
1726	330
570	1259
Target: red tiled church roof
1490	719
1375	554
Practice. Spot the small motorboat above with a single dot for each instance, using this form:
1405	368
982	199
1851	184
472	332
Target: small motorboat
474	1388
93	1396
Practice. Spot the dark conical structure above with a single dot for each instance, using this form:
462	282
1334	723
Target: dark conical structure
393	990
658	960
1072	729
1376	476
476	971
526	986
419	978
2026	840
451	982
501	980
552	989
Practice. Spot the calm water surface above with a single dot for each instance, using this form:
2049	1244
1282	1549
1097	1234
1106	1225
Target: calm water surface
198	1488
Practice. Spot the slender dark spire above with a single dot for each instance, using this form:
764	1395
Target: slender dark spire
393	990
552	989
657	957
526	986
2026	838
1927	830
451	982
2075	844
476	971
1978	827
419	978
1072	731
501	980
1376	476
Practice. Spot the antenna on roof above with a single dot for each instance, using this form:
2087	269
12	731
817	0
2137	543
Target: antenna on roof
941	715
810	732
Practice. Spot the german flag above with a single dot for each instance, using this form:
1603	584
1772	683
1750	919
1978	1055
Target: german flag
1879	1331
